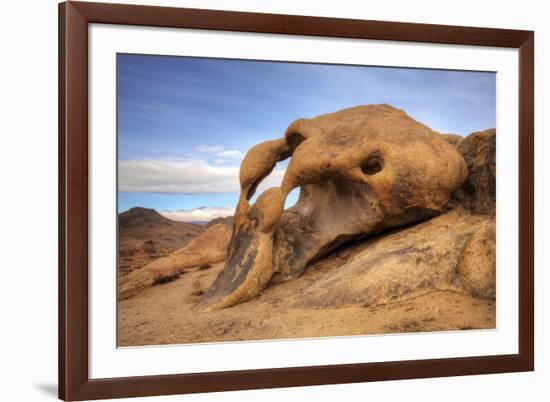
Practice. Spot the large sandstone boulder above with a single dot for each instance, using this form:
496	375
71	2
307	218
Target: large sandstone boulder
207	248
360	171
452	251
478	193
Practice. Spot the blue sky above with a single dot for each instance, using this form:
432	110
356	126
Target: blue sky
184	124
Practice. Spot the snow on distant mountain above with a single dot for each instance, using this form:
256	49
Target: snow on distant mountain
202	214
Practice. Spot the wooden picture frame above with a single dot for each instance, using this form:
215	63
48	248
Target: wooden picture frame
74	381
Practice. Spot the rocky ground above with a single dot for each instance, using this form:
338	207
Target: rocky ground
332	298
169	314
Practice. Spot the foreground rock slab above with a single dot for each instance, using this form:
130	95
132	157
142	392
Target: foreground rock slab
454	251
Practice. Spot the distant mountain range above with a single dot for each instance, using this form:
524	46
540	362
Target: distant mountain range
199	215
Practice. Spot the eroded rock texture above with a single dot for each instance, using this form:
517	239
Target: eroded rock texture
454	251
478	193
477	269
360	171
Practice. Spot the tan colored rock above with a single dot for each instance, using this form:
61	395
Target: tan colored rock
360	171
452	139
207	248
408	262
478	193
478	266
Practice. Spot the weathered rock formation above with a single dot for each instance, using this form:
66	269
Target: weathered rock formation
454	251
360	171
478	193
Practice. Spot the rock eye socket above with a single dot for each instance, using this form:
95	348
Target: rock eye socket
373	164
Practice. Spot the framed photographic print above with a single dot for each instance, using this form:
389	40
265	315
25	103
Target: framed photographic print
259	200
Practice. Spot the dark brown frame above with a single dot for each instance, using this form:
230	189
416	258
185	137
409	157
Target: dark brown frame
74	383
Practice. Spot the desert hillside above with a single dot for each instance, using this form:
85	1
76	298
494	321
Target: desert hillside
145	235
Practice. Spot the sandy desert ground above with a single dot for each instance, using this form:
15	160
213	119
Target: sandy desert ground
167	314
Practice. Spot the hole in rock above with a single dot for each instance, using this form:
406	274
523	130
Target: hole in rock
373	164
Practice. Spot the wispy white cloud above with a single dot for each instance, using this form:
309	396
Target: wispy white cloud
203	214
221	152
184	176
